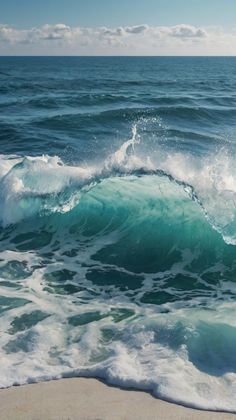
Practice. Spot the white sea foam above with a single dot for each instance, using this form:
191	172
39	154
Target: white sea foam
177	356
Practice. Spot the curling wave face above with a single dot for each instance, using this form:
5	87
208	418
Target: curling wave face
123	270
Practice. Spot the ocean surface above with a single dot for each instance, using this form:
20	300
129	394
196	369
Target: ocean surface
118	224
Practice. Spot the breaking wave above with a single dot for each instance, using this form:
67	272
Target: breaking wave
130	262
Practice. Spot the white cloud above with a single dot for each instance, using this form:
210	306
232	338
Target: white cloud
62	31
136	29
112	32
140	39
58	31
12	35
187	31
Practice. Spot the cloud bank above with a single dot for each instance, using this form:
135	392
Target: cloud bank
61	39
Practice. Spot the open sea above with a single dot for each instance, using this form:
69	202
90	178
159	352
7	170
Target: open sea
118	224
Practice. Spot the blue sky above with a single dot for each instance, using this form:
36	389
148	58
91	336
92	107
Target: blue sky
121	27
22	13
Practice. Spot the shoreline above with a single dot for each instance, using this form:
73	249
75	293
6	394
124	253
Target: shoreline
91	399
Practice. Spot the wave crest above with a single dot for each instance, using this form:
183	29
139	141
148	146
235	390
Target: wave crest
42	185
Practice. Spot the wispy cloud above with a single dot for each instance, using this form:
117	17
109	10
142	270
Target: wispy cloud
139	39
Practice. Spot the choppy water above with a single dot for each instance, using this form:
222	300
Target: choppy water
117	224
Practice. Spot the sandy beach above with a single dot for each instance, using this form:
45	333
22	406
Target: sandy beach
90	399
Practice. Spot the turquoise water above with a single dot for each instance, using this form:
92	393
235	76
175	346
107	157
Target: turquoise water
117	224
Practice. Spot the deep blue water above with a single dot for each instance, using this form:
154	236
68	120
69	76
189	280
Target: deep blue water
117	223
59	105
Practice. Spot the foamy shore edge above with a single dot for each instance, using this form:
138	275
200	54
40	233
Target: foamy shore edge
85	398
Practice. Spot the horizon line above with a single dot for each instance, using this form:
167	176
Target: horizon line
117	56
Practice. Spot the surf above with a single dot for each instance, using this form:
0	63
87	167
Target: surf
130	262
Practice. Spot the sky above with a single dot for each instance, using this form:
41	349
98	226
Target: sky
121	27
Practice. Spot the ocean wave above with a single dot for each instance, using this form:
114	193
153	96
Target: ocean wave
130	262
32	185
